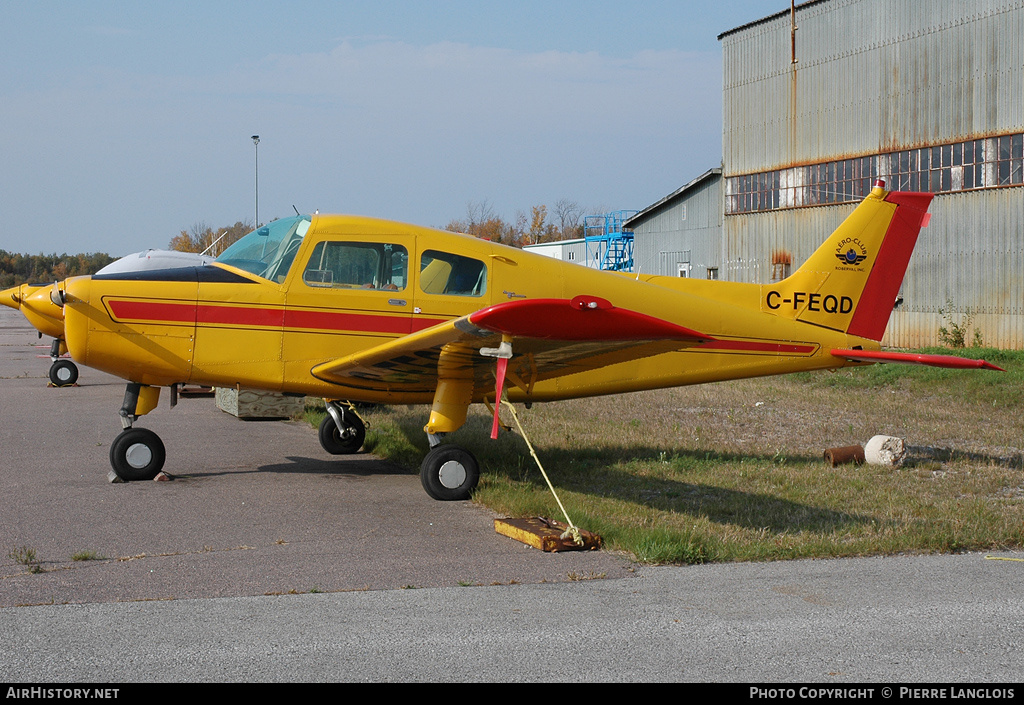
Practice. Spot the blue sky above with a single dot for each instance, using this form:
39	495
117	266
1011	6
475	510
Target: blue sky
123	123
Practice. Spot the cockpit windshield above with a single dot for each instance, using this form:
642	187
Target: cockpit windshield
268	251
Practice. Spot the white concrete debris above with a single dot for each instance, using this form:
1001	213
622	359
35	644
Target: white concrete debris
885	450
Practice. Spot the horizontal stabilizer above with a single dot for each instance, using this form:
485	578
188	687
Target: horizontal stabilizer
949	361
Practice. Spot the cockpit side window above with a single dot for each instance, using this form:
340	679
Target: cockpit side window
357	265
453	275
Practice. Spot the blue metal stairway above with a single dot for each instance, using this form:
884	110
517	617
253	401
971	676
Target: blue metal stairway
607	242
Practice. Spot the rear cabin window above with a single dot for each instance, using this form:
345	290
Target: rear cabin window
358	265
454	275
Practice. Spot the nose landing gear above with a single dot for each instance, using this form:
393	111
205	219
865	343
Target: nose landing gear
137	453
63	372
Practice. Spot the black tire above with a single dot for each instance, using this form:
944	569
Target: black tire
449	473
63	373
345	442
137	454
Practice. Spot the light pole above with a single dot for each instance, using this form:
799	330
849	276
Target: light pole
256	143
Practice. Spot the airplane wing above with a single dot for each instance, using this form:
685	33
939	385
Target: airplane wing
950	361
549	338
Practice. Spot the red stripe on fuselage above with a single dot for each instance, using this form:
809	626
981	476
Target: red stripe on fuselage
213	315
249	316
153	311
754	346
336	320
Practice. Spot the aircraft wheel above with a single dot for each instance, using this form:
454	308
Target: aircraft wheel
346	441
137	454
63	373
449	473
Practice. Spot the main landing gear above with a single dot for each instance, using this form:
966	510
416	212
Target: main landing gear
137	453
449	472
342	432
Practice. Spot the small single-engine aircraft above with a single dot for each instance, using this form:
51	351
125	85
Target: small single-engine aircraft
363	310
33	300
47	317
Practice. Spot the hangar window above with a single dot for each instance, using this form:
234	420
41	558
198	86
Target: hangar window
454	275
945	168
1009	160
357	265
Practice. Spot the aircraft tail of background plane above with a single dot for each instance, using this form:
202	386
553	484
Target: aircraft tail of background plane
851	282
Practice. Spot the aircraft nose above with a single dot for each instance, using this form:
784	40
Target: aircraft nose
47	317
11	297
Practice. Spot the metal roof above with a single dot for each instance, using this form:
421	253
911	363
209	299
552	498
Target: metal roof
674	195
769	18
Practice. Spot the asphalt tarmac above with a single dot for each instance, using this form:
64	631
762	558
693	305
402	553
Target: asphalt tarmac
255	507
266	559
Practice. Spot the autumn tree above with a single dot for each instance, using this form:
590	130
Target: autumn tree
568	214
481	221
202	238
540	229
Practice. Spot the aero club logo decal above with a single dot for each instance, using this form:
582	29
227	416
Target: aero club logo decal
851	253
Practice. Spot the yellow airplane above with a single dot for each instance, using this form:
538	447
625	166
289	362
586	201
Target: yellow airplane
364	310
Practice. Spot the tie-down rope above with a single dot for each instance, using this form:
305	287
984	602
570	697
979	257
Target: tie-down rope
573	530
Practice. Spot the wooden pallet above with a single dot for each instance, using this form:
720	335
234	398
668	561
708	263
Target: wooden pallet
545	534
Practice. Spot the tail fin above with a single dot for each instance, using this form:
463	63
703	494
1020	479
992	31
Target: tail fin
850	283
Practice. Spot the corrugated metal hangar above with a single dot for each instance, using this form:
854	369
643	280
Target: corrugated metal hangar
825	97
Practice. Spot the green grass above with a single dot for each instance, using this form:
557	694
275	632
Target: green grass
1007	387
87	555
734	471
27	557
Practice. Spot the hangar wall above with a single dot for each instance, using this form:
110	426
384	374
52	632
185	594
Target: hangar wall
925	95
682	232
870	76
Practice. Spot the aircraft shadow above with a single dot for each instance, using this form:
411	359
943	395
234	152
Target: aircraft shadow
356	465
604	473
595	476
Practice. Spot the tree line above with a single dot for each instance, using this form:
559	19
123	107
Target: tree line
563	222
41	269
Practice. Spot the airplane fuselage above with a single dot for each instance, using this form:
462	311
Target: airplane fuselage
355	283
